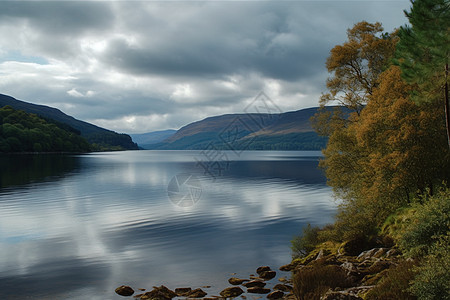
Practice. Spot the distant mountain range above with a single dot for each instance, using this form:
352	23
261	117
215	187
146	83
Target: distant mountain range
146	139
285	131
101	138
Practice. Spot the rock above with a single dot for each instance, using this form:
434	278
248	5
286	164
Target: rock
392	253
381	252
184	292
124	290
263	269
320	254
254	283
230	292
258	290
283	287
373	253
197	293
141	290
159	293
349	268
378	266
267	275
275	295
283	279
236	281
288	267
367	254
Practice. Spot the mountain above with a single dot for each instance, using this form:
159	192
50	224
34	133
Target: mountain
149	138
100	138
285	131
25	132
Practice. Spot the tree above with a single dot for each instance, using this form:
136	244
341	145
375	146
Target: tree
378	162
423	52
357	64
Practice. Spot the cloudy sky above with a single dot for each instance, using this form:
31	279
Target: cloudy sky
139	66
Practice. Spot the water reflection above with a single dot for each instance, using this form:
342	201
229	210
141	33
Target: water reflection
21	169
111	223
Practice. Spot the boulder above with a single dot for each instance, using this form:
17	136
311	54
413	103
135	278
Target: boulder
349	268
197	293
124	290
367	254
232	291
275	295
392	253
283	287
288	267
378	266
236	281
267	275
159	293
258	290
254	283
183	292
263	269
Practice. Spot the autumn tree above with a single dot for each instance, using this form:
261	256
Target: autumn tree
355	67
357	64
392	152
423	52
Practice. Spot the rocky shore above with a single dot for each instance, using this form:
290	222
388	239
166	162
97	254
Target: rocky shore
330	272
254	284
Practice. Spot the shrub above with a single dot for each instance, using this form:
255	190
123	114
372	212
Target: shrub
395	284
426	224
313	281
433	275
306	242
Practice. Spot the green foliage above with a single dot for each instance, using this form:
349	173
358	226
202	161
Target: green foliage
423	52
395	283
426	224
379	161
432	281
23	132
302	245
110	141
422	230
424	47
314	280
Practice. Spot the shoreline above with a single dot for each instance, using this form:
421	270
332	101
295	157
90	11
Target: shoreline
262	283
333	270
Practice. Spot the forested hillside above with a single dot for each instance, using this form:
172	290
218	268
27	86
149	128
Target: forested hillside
100	138
25	132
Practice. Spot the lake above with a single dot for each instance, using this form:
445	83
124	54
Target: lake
78	226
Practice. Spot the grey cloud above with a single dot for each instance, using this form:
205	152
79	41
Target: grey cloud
224	52
263	39
59	18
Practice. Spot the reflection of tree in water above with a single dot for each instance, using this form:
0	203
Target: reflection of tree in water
20	169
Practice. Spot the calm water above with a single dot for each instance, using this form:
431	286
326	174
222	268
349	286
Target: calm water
76	227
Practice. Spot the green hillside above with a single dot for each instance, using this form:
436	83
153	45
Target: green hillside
25	132
100	138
